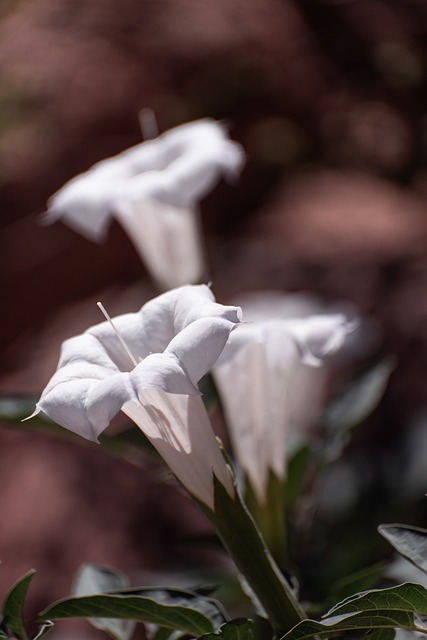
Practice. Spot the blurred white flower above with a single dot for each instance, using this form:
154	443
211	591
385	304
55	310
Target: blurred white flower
152	189
266	387
175	339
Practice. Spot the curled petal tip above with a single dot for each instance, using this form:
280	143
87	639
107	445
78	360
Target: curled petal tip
35	413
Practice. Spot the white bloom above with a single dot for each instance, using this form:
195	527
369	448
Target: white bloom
177	337
152	189
265	388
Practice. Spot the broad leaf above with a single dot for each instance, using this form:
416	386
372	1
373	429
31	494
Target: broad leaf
356	621
382	634
179	597
404	606
91	580
239	629
407	597
13	607
131	605
410	542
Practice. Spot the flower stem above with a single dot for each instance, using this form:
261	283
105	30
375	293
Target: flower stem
241	537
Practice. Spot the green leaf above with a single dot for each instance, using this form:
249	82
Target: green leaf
410	542
238	629
13	606
361	580
183	598
382	634
131	605
355	403
356	621
154	632
241	537
93	579
404	606
407	597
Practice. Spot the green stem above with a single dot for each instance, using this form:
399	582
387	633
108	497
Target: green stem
269	516
241	537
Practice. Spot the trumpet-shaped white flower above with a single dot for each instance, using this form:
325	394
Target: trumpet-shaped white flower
175	339
262	379
152	189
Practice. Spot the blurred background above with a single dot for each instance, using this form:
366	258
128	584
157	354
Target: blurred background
328	99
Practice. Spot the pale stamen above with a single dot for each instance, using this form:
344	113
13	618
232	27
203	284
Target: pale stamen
121	339
148	124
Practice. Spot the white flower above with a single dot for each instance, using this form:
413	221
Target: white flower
152	189
176	338
264	386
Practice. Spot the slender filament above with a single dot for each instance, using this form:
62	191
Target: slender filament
121	339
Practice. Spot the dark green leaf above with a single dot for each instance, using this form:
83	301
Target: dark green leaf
13	606
356	621
154	632
358	581
238	629
410	542
131	607
408	597
182	598
241	537
355	403
382	634
93	579
404	606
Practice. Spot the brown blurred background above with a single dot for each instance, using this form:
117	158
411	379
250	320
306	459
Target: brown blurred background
328	98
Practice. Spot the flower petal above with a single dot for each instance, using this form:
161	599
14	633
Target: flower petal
152	189
190	176
198	346
167	238
88	388
85	205
266	389
254	389
87	405
179	428
318	336
152	328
